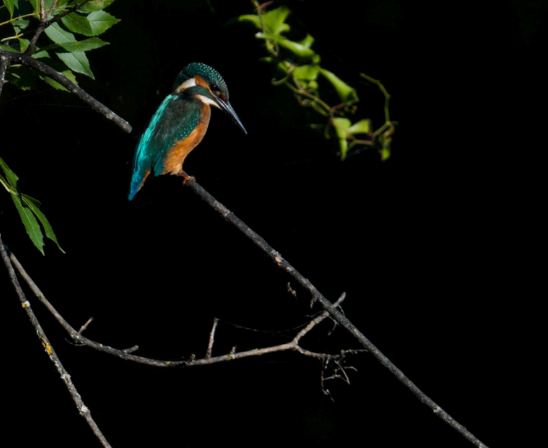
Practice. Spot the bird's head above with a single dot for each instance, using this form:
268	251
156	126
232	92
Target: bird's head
206	84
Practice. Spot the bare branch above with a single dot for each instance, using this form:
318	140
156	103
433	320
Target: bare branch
233	355
82	408
335	314
69	85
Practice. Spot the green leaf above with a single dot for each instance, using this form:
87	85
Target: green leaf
307	41
299	51
28	209
84	45
96	5
22	78
23	44
101	21
35	5
56	65
40	54
30	223
274	20
4	183
67	74
58	34
361	127
246	18
347	94
385	139
10	5
77	61
306	72
17	45
282	65
10	175
385	153
7	48
341	128
47	5
34	205
20	8
78	24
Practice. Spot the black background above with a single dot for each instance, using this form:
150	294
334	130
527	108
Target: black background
432	247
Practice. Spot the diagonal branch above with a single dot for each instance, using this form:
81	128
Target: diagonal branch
69	85
82	408
335	314
259	241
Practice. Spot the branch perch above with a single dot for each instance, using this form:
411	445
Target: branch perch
335	314
257	239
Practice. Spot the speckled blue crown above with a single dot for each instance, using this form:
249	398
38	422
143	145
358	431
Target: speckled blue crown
210	75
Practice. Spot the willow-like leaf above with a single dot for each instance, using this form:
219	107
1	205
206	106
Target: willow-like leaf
34	205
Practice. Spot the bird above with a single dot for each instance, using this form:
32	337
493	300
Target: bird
179	124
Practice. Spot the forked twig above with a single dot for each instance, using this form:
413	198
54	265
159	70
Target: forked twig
192	361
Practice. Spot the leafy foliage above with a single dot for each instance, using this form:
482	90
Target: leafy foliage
46	30
58	46
29	210
301	70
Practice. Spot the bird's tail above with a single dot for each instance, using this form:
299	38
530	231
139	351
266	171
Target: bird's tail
137	181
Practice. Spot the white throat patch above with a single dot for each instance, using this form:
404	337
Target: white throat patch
207	100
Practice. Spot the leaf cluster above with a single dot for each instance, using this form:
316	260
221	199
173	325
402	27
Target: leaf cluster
29	210
46	30
21	26
300	67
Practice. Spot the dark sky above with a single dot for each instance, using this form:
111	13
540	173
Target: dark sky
425	244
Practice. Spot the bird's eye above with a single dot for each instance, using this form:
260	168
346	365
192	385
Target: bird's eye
214	87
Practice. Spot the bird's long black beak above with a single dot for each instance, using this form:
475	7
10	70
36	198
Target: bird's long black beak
230	112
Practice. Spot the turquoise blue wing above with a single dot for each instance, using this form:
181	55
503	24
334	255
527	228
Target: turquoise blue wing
145	152
173	121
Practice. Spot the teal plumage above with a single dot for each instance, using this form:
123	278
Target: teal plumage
179	123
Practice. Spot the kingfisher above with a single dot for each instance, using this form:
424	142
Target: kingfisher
180	123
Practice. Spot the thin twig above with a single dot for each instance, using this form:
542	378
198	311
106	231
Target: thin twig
82	408
83	327
127	356
212	338
44	22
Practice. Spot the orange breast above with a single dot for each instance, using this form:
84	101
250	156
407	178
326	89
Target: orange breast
173	163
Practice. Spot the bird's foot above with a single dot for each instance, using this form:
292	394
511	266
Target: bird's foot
184	175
